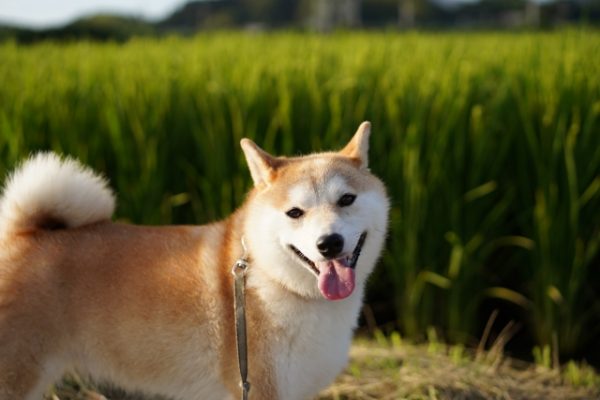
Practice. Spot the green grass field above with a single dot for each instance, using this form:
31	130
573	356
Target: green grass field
489	144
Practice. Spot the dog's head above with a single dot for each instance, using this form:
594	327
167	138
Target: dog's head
316	224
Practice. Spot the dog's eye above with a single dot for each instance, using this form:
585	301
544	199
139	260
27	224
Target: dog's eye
294	213
346	200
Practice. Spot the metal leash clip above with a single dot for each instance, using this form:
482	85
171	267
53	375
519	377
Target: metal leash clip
241	264
239	267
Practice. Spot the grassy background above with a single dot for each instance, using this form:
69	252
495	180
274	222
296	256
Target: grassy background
489	144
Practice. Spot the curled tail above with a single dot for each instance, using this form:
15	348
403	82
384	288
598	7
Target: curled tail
48	192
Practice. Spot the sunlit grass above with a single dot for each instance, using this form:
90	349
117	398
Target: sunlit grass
441	372
489	145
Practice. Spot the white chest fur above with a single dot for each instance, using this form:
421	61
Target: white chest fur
313	340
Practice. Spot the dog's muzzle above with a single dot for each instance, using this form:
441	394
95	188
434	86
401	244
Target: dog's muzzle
353	260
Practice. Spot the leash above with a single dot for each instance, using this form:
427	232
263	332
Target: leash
239	272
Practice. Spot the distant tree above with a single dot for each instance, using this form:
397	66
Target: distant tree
532	13
328	14
407	13
272	13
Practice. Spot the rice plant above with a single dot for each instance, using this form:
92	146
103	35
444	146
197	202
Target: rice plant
489	144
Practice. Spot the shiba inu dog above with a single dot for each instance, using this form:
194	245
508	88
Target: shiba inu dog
151	308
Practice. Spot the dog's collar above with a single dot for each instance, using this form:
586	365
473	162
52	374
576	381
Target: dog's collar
240	267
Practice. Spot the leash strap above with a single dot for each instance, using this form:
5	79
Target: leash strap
239	272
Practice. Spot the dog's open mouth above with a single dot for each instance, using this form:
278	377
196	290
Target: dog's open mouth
336	278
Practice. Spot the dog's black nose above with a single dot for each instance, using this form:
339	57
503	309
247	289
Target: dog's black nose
330	245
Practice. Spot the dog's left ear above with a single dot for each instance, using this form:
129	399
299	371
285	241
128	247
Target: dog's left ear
358	147
262	165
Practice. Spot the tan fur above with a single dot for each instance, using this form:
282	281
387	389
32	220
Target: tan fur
115	292
152	307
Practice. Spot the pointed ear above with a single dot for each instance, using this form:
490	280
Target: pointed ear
261	164
358	147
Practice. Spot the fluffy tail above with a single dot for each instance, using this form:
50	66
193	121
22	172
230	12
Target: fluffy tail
47	192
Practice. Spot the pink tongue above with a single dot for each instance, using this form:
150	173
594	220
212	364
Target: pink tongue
336	279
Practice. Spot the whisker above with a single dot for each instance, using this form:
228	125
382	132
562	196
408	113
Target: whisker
307	260
357	249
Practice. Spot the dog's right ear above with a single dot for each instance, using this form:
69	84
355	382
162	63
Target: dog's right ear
262	165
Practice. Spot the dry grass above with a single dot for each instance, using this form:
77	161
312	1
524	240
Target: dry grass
437	372
432	372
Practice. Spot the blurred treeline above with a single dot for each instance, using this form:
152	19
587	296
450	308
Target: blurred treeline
489	145
325	15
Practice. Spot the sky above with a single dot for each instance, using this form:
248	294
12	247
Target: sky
53	13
